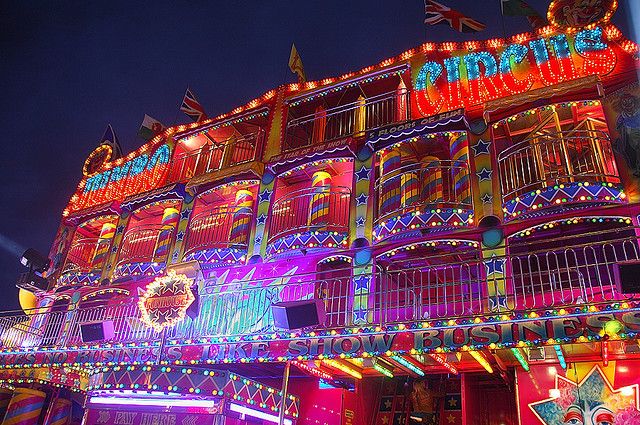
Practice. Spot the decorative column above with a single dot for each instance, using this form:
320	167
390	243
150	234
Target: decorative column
59	412
459	151
409	188
101	253
319	125
112	257
360	121
25	407
390	188
432	189
320	201
401	102
186	210
170	218
241	218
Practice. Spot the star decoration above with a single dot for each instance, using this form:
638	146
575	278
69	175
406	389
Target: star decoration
257	240
498	302
387	404
385	420
481	147
486	198
360	316
361	199
362	173
261	220
360	221
451	419
495	265
119	229
163	290
362	282
184	215
114	249
484	174
453	402
264	196
180	235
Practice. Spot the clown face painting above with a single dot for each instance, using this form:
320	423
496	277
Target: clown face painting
579	13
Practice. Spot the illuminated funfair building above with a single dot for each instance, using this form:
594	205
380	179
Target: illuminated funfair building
449	236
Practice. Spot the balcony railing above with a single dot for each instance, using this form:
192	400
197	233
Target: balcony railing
214	157
311	209
557	158
351	119
147	243
564	272
86	255
225	227
414	187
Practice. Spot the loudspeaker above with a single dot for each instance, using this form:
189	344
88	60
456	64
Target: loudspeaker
298	314
97	331
627	276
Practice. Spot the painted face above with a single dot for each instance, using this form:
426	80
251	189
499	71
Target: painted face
599	415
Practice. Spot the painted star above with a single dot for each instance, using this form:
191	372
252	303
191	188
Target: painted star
360	221
119	229
360	316
495	265
257	240
451	419
262	219
481	147
184	215
362	173
264	196
497	302
484	174
362	282
486	198
453	402
180	236
387	404
361	199
385	419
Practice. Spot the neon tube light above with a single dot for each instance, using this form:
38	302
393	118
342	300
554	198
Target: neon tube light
159	402
560	354
408	365
440	358
382	369
480	359
342	367
313	371
244	410
518	355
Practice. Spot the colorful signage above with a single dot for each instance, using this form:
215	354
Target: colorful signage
580	13
127	416
166	300
504	333
463	79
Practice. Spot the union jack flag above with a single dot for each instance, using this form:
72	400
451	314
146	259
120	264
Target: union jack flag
436	13
192	107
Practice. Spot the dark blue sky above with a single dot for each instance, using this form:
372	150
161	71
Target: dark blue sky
67	69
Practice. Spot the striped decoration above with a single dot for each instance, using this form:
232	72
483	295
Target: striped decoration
410	188
459	151
107	233
432	189
5	398
170	218
60	412
25	407
319	206
390	190
241	217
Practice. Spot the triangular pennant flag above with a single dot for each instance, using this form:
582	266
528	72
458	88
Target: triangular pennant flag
295	64
109	138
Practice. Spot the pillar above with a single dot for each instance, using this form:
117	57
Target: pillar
25	407
459	151
320	201
390	187
107	233
170	218
241	218
432	189
59	412
409	188
319	125
360	121
401	102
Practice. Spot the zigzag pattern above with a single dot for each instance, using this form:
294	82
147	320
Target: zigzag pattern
312	239
217	255
439	219
86	279
562	194
150	269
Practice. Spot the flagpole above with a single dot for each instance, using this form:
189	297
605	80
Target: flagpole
504	29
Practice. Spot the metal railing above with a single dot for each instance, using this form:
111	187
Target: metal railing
416	186
310	209
216	156
215	229
551	273
556	158
350	119
86	255
146	243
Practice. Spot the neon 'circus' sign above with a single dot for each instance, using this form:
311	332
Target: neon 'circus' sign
466	78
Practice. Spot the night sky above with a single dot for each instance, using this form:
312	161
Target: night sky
67	69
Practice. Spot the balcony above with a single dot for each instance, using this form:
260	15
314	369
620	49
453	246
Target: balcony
144	250
559	272
558	168
214	157
434	195
316	217
352	119
219	236
84	262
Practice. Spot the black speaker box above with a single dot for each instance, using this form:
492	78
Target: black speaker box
96	331
298	314
627	275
